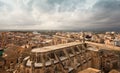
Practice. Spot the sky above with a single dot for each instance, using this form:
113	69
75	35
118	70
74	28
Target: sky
59	14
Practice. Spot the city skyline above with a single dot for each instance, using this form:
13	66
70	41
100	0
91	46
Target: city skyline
59	14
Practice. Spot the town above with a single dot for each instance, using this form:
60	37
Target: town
59	52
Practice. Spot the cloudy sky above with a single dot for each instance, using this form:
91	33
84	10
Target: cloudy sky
59	14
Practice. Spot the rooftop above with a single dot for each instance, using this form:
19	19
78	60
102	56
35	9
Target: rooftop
54	47
114	71
90	70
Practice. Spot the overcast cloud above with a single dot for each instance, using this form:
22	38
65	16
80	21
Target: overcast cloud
59	14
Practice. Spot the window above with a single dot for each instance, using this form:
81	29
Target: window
76	49
69	51
51	55
60	53
39	60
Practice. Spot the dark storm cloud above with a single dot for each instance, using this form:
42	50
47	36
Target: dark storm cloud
107	14
1	3
60	14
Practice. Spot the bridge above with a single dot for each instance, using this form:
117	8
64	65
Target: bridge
63	58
